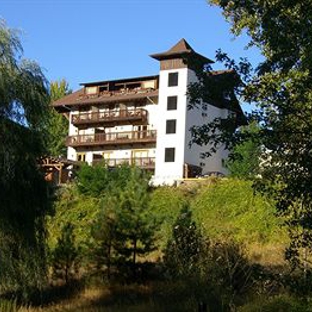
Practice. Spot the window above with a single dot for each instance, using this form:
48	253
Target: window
169	154
91	90
172	102
81	157
173	79
171	126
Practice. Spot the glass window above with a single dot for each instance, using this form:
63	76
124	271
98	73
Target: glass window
171	126
169	154
172	102
173	79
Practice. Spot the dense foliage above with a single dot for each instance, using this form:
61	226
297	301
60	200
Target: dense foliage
280	90
57	124
23	193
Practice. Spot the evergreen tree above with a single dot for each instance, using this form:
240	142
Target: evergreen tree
136	225
184	249
65	254
104	236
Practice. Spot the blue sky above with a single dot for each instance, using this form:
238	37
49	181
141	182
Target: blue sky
90	40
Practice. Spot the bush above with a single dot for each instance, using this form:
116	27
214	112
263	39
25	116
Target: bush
230	208
283	303
183	251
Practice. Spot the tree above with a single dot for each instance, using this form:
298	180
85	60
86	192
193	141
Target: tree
184	249
104	235
136	225
23	195
280	87
125	227
65	254
245	159
57	124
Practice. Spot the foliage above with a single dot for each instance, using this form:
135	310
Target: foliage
78	210
231	209
166	203
135	224
23	88
183	251
279	303
23	194
109	211
57	124
97	180
226	267
280	88
8	306
104	235
246	156
65	255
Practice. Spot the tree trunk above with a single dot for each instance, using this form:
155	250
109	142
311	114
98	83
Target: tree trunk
134	257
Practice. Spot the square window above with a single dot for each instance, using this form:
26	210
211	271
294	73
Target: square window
171	126
169	154
173	79
172	102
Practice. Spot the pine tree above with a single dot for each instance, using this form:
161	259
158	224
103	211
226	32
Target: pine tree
65	254
136	226
183	251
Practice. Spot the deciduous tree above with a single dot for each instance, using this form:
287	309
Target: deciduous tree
23	194
280	87
57	124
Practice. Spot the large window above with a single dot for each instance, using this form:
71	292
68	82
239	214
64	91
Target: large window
173	79
172	102
169	154
171	126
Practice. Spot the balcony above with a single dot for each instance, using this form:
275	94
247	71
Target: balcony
142	162
111	118
113	138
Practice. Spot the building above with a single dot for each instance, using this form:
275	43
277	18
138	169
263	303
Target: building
145	120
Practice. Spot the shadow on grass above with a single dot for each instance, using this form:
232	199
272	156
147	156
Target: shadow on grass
159	296
51	294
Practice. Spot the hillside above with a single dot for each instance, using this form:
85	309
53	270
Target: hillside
224	209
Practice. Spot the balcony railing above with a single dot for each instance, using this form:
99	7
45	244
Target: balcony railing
113	138
121	116
142	162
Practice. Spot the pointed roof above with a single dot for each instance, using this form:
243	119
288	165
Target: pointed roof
179	50
181	46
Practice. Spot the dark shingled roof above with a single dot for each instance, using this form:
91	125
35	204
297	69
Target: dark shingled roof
182	48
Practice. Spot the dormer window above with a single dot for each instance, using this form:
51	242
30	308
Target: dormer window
91	90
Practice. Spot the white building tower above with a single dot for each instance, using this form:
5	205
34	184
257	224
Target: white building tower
175	159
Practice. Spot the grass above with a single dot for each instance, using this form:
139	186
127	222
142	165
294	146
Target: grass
132	298
224	209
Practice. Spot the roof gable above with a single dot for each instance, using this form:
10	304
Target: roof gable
180	50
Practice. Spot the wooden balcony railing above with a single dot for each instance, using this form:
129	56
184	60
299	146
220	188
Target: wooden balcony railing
113	138
142	162
130	116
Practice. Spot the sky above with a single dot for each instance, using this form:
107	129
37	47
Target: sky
94	40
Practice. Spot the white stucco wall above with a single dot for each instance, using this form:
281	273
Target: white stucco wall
168	172
198	116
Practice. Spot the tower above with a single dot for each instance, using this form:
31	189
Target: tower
174	121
